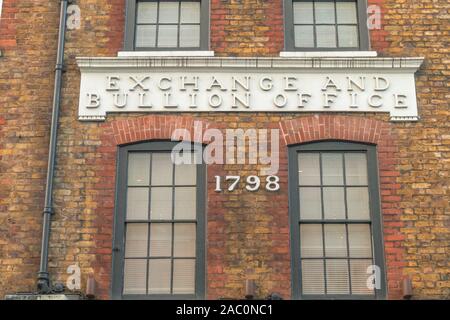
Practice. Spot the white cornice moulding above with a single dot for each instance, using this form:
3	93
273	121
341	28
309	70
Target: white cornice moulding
387	63
322	54
165	54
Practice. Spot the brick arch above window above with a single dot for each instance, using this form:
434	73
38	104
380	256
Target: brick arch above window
336	127
155	127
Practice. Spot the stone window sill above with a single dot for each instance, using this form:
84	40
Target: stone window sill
166	53
328	54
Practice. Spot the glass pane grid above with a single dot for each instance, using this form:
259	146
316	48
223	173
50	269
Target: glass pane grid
171	24
329	24
338	249
160	254
350	265
324	190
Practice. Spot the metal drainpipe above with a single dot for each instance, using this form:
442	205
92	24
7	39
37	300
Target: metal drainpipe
43	280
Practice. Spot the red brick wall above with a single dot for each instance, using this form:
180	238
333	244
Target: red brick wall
247	28
226	271
378	39
8	24
28	32
413	161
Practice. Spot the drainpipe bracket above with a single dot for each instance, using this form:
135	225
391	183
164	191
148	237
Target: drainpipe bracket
60	67
49	210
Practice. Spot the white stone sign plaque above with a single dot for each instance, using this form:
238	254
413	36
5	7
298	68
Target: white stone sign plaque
126	84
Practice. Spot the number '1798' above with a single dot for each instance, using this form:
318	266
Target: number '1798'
252	183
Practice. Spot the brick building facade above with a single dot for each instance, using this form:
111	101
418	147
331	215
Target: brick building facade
247	234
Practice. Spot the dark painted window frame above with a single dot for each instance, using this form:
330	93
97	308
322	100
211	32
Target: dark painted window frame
130	29
118	257
375	214
289	36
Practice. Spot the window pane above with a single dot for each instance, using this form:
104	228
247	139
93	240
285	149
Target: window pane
159	276
324	12
168	12
337	277
186	174
311	240
332	169
137	204
159	254
335	240
303	12
359	275
333	202
161	206
145	36
147	12
190	36
168	36
359	239
136	240
138	169
326	36
190	12
358	203
184	245
162	169
348	36
346	12
185	203
308	169
356	169
304	36
134	276
184	276
161	240
310	203
313	278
